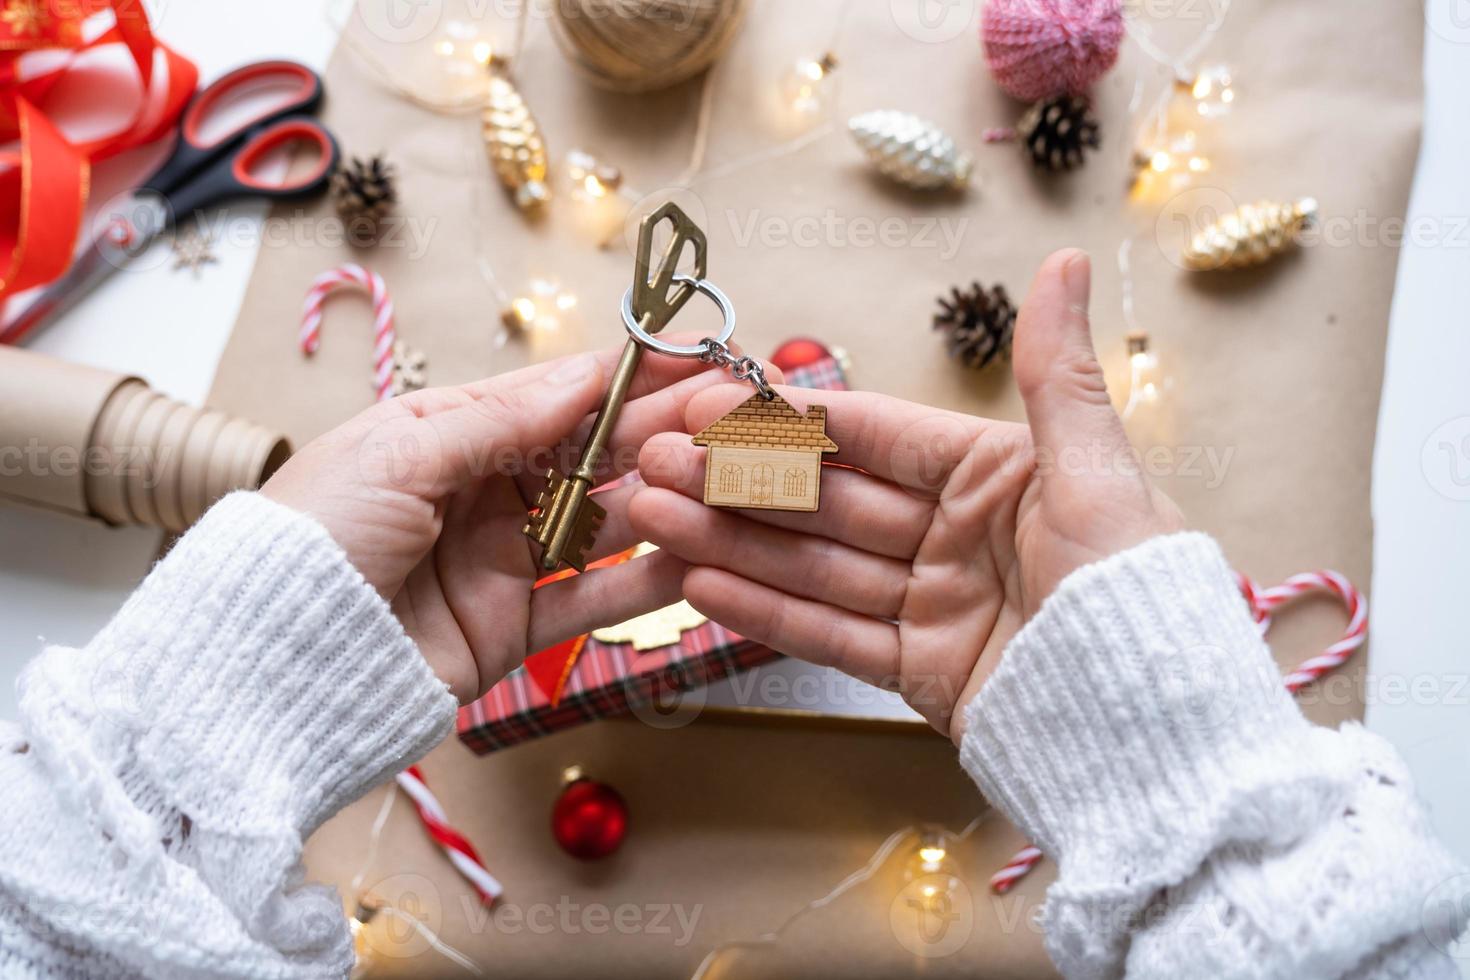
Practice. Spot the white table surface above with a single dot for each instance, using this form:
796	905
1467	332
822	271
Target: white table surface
61	578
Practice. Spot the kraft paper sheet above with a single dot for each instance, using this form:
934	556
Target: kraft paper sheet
1276	375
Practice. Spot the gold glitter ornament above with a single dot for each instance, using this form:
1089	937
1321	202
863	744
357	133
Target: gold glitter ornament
1249	235
911	150
513	140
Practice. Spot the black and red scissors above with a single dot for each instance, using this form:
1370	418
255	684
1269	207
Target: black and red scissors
205	168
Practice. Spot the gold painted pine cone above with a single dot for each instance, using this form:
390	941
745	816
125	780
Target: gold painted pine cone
514	143
1249	235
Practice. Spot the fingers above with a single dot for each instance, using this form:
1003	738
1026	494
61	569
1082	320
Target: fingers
801	564
617	534
1056	367
602	597
913	445
444	438
857	509
642	418
813	631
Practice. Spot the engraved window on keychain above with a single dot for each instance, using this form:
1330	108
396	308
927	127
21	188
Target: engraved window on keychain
763	454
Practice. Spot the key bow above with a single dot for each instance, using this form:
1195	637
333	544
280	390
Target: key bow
653	301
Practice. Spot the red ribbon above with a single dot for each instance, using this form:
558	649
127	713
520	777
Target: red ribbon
550	669
44	185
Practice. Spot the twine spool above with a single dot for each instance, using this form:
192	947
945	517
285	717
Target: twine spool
1040	49
644	45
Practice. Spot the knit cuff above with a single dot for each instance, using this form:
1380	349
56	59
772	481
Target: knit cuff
1138	721
256	672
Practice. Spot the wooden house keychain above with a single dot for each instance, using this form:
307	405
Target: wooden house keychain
764	454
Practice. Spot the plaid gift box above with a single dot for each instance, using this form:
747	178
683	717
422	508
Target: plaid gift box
612	678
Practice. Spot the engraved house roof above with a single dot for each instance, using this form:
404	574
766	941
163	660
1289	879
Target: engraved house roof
775	424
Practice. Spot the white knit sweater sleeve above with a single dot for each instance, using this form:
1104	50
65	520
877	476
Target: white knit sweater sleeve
162	779
1138	730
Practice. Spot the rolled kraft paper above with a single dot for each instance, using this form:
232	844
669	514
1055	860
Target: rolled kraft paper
104	445
645	45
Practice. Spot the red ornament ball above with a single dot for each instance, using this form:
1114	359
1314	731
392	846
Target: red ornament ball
1040	49
799	353
590	819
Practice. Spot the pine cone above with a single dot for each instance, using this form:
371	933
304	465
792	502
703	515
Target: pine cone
363	192
979	324
1055	132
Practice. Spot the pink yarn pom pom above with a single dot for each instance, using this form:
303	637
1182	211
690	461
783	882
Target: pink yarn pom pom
1039	49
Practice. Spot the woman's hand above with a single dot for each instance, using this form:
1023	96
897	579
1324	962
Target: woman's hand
926	559
428	493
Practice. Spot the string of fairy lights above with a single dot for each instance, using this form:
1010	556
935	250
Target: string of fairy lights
1172	132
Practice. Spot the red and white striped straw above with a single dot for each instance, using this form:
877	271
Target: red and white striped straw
1262	603
461	852
384	334
1016	868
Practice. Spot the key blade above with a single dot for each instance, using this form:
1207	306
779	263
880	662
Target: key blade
541	521
584	532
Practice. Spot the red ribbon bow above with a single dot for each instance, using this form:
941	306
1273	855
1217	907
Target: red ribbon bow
44	184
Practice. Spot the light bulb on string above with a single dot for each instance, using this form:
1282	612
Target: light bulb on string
1212	90
357	925
806	87
591	178
542	307
602	201
1147	384
931	865
461	54
1170	163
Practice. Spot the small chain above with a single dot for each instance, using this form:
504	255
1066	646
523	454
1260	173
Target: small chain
742	366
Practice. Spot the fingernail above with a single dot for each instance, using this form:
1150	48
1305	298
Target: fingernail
1077	280
574	370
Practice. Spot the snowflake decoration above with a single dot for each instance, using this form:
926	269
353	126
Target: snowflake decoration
24	18
408	368
193	250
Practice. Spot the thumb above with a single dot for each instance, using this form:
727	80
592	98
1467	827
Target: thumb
1056	368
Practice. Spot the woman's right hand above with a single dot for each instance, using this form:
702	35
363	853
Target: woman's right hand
925	559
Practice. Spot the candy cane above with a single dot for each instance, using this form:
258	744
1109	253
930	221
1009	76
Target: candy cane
461	853
384	335
1262	603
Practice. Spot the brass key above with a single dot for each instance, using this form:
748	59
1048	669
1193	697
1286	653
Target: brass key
565	522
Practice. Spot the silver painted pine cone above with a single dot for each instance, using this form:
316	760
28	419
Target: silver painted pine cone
911	150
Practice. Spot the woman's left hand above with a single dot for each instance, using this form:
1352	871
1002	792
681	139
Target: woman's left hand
428	494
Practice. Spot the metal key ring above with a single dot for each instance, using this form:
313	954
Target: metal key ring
651	342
